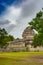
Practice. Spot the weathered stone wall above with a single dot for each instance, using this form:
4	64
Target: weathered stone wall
23	44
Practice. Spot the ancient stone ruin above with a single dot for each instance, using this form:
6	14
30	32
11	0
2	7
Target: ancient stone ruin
21	44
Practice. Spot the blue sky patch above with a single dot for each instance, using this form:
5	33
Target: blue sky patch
8	3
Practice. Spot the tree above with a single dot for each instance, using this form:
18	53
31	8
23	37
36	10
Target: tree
4	38
3	32
38	40
37	24
10	38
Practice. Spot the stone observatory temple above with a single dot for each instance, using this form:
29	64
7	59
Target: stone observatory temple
28	35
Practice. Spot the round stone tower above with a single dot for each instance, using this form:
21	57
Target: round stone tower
28	36
28	33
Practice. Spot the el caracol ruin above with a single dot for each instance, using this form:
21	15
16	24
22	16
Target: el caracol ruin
21	44
24	43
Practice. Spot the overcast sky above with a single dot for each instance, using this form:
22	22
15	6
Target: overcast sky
15	14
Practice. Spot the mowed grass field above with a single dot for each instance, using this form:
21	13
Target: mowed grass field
21	58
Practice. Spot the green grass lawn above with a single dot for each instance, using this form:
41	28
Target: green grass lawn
21	58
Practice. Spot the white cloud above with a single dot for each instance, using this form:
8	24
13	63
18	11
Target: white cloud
12	14
19	16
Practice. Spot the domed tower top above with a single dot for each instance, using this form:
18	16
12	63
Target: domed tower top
28	33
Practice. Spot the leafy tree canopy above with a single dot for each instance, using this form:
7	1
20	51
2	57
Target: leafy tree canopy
37	24
5	38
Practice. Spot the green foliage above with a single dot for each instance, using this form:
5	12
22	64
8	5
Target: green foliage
38	40
4	38
17	38
10	38
3	32
37	24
